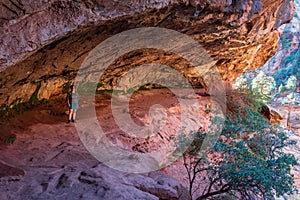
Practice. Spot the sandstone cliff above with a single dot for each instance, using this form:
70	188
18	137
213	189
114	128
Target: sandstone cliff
43	43
286	60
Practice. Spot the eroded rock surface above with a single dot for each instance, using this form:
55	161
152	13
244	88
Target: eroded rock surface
49	161
287	55
42	40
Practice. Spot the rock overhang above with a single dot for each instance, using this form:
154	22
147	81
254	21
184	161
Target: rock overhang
47	42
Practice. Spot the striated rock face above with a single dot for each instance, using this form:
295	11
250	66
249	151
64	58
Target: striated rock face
285	62
46	41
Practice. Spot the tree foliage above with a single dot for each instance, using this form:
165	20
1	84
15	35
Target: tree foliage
291	83
280	88
264	85
241	83
247	161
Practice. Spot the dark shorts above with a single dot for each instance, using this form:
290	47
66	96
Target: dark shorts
74	106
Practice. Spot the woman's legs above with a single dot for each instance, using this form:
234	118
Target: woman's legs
70	115
74	115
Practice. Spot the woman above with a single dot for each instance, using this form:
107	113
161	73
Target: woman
72	99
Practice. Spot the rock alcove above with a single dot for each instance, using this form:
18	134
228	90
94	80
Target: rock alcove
45	42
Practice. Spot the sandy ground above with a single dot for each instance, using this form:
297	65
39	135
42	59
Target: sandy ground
48	156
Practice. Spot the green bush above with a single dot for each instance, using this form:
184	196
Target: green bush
86	87
284	101
280	89
18	106
10	139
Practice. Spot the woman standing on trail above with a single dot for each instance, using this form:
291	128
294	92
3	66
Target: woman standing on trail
72	99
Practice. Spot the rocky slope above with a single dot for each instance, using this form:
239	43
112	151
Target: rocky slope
45	42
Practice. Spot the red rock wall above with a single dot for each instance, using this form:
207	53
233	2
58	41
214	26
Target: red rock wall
47	40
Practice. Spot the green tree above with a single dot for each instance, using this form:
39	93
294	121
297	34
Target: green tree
247	161
241	83
264	85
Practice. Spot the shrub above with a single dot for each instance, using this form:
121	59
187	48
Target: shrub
10	139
